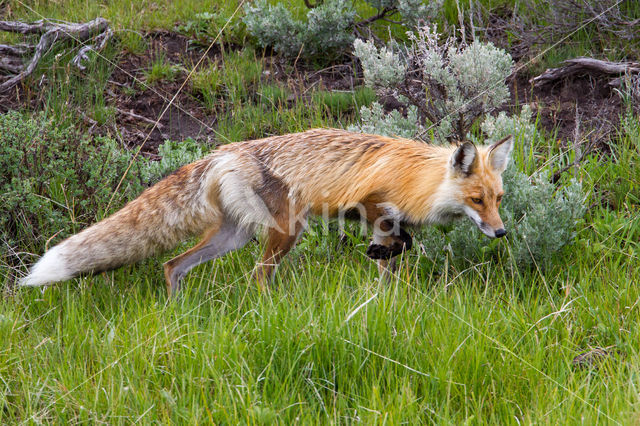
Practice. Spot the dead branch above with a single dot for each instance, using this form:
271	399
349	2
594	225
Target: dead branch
383	14
11	65
15	50
585	65
100	42
139	117
52	33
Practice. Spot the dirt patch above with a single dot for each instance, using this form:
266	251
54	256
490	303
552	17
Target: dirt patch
303	79
136	102
140	103
582	106
577	107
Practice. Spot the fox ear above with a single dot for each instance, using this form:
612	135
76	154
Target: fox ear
499	153
464	159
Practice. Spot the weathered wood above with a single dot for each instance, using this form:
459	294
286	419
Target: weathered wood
11	65
15	50
588	65
52	33
99	43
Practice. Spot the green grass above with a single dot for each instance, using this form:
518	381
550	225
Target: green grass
478	347
328	343
161	70
124	15
340	103
207	83
242	73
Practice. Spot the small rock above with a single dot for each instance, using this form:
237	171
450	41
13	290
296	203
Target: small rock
592	358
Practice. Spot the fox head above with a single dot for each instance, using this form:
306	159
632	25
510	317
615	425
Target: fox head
478	177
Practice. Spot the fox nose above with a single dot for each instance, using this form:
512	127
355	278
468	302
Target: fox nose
500	233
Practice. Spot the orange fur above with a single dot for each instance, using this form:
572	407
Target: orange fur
274	183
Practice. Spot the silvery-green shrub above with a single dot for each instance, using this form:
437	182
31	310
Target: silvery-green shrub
327	30
452	84
459	86
497	127
382	68
414	12
329	27
273	26
374	120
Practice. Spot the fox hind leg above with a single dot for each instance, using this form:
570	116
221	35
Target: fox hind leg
278	245
217	241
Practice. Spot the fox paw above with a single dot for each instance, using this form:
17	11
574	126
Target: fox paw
378	251
406	240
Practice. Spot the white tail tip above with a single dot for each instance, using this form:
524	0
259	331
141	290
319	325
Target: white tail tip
49	269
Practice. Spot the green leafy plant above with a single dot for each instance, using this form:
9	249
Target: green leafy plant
330	26
452	84
55	181
173	155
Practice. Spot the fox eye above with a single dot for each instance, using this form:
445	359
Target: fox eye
476	200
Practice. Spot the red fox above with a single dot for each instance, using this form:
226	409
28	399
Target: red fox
273	184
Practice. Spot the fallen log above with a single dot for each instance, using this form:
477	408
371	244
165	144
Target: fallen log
52	33
586	65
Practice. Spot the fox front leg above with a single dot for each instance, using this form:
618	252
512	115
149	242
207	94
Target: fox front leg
384	249
388	247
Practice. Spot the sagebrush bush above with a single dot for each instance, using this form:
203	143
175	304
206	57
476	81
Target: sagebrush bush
54	181
326	32
450	83
497	127
539	217
375	121
173	155
329	27
382	68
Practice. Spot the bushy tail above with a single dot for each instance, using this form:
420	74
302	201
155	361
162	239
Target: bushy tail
51	267
162	216
113	242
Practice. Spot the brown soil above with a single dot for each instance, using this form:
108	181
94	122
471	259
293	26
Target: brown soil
129	93
187	118
303	79
575	108
583	106
580	107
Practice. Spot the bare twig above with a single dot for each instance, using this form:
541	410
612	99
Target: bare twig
383	14
52	33
138	117
588	65
100	42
